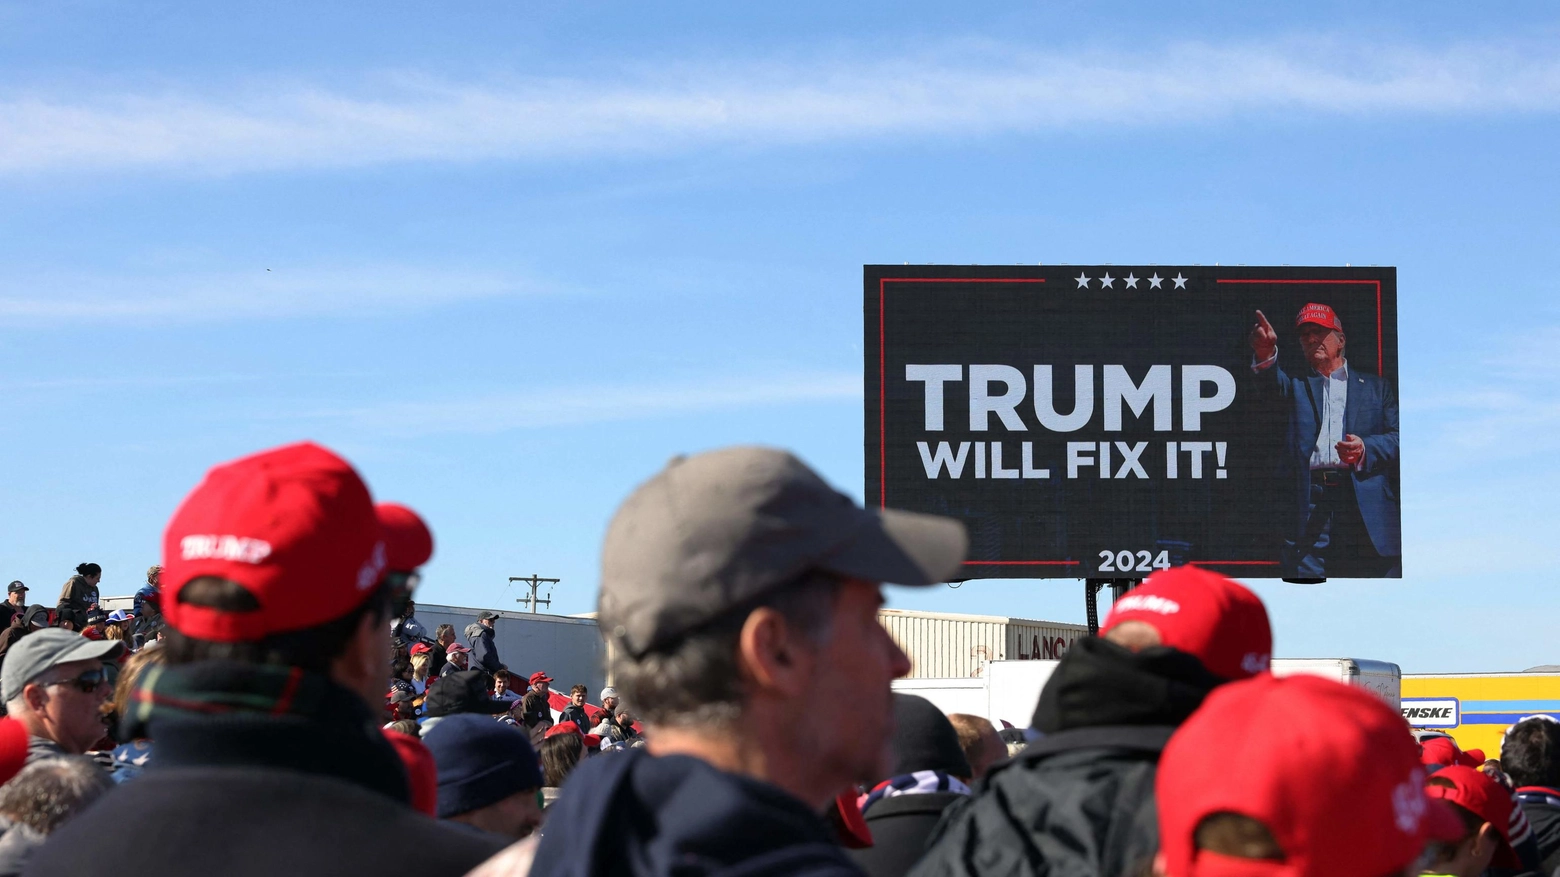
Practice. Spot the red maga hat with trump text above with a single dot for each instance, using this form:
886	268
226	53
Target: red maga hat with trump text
1215	619
294	526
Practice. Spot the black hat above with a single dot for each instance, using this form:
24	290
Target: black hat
36	616
464	691
480	762
14	587
924	739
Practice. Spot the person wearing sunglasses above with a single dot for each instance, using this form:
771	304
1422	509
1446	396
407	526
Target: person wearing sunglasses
54	683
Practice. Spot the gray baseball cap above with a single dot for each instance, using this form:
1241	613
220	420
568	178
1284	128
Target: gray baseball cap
42	650
713	532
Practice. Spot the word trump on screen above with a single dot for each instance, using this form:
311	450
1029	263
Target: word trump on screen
997	392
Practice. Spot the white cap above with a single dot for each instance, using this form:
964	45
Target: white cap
607	692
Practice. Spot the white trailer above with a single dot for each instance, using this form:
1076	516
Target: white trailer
568	649
1006	692
1382	678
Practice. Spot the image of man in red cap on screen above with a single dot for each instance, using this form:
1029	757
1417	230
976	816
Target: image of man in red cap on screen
1080	799
277	589
1341	452
1298	777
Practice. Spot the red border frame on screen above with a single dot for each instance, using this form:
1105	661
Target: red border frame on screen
883	394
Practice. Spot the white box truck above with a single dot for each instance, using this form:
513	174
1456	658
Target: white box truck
1006	691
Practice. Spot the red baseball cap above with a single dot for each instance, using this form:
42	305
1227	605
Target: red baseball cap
1330	770
539	676
13	748
422	774
408	541
1442	751
455	647
592	741
1321	315
1215	619
294	525
420	649
1482	795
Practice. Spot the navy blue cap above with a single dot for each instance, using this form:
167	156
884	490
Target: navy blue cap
481	761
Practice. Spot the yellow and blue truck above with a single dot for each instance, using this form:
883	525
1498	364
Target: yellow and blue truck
1475	709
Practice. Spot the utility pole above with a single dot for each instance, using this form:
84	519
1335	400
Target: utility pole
535	582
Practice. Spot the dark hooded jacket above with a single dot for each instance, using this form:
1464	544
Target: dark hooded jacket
484	652
1079	801
635	814
260	772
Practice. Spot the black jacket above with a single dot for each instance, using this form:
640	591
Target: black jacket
252	795
900	828
1079	801
634	814
1541	805
577	715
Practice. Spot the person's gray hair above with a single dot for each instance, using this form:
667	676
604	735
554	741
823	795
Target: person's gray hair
697	682
51	790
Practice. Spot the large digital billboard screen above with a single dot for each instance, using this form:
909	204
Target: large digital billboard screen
1106	421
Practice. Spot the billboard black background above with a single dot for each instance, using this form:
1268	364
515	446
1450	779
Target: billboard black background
1022	316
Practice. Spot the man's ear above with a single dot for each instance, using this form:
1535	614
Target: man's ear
37	696
1485	840
773	656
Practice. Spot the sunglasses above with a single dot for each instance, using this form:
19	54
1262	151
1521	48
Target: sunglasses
87	682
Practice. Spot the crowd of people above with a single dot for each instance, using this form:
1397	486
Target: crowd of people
249	714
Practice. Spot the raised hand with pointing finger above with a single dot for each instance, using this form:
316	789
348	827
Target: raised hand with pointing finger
1264	340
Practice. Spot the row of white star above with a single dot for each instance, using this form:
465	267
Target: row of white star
1108	282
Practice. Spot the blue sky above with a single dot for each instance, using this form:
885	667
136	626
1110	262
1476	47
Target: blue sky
510	257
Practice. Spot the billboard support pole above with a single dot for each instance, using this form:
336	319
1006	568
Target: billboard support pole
1091	593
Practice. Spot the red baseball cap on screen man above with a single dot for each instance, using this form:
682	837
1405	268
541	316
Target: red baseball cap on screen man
295	526
1321	315
1217	620
1329	771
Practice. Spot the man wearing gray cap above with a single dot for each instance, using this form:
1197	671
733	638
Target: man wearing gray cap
54	683
739	598
484	653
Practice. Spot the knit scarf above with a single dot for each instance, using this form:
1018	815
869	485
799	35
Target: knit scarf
214	688
226	713
921	782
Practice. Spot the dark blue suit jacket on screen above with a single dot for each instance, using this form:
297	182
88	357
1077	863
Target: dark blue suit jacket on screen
1371	413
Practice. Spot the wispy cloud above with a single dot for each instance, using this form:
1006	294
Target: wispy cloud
544	408
959	91
253	294
1507	407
